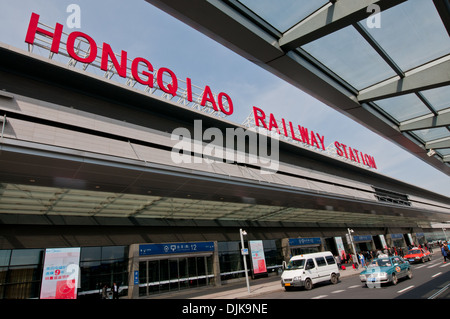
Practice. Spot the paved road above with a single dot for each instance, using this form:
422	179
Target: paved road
431	280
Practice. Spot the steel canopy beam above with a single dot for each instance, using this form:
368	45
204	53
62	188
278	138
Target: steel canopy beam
435	74
438	144
430	122
329	19
443	8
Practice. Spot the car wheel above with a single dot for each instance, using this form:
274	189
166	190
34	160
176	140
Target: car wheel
334	279
394	279
308	284
409	275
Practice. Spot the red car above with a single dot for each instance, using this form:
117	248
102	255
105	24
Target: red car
418	255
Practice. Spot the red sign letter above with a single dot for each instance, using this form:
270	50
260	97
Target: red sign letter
208	97
71	47
261	117
171	88
121	68
33	28
230	103
134	71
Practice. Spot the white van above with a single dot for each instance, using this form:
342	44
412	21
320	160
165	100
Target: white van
308	269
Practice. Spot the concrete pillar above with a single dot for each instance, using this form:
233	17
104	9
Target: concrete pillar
133	267
216	265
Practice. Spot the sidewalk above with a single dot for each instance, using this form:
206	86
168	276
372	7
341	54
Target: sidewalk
239	290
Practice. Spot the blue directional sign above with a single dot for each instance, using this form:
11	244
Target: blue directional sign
175	248
304	241
364	238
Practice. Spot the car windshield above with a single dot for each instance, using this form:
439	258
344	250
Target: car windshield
414	251
381	262
295	264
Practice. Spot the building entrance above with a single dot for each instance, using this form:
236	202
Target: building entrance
172	274
168	267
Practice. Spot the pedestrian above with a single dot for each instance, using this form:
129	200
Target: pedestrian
338	261
105	292
115	291
445	252
361	259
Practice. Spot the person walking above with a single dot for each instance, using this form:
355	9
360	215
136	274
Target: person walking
115	291
361	259
104	292
445	251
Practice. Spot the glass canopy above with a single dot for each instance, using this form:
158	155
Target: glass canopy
38	200
410	39
283	14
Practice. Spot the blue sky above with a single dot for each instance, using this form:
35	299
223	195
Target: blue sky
143	30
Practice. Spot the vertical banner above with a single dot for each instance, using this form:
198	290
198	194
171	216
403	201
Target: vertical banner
60	273
340	247
258	258
383	241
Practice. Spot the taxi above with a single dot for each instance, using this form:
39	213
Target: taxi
387	269
416	254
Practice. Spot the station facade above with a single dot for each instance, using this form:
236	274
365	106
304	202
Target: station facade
92	164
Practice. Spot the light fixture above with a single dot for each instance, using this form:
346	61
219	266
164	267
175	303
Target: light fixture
431	152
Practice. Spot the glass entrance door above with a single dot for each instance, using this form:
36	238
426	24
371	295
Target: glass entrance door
174	274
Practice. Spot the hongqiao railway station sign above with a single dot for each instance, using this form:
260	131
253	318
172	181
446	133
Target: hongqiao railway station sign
141	69
142	72
302	134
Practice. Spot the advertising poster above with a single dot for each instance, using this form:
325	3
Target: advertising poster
258	258
60	273
340	247
383	241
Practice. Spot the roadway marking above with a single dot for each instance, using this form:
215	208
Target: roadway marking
433	265
337	291
439	292
407	288
444	265
421	266
355	286
435	275
319	297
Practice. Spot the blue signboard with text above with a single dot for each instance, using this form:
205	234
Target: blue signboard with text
363	238
304	241
175	248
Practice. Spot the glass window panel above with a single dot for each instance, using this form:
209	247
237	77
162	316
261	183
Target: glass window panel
404	107
26	257
439	97
412	33
23	282
91	253
432	134
348	54
283	14
4	257
114	252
